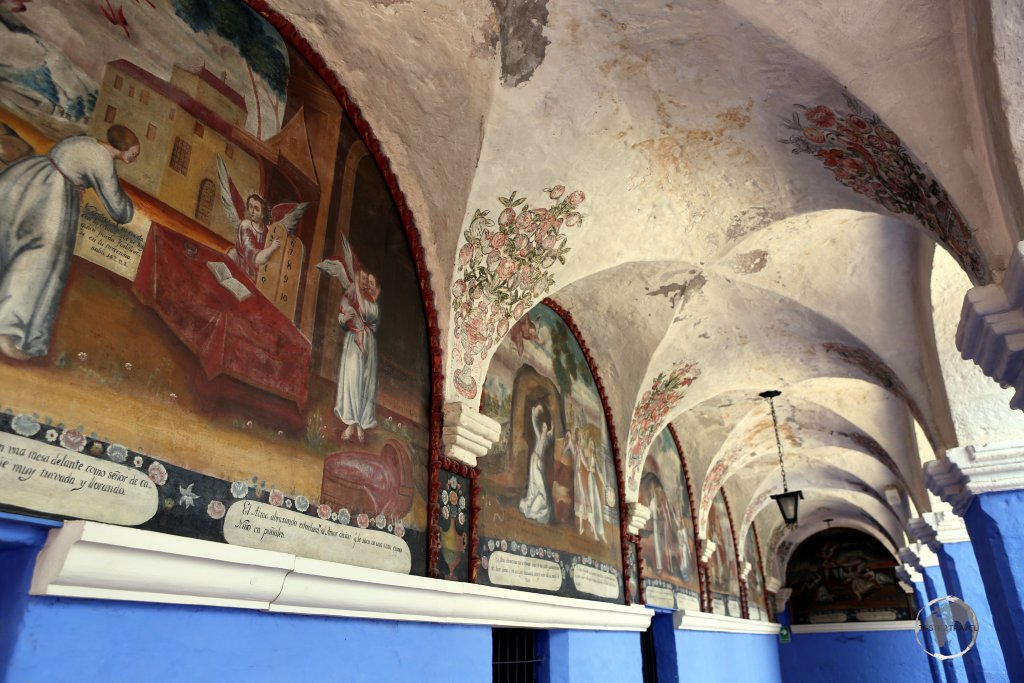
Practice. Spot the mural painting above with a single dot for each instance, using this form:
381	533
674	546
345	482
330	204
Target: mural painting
668	542
194	231
549	517
757	606
723	574
841	575
454	512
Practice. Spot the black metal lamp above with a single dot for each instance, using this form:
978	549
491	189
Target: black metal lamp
788	501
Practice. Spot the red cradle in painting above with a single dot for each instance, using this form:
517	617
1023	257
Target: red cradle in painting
365	481
249	340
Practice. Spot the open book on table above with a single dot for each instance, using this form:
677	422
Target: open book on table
223	275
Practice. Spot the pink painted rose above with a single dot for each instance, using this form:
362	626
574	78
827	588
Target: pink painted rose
576	198
73	440
518	311
498	240
323	511
502	328
363	520
822	116
216	509
493	259
887	135
848	133
857	122
556	191
157	473
524	219
507	216
459	288
506	268
465	254
877	142
830	157
572	220
399	529
276	498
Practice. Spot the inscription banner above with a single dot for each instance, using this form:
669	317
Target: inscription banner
116	247
506	569
595	582
260	525
58	481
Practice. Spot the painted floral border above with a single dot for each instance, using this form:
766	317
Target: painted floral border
667	389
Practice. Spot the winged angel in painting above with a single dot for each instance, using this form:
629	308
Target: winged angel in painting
359	317
254	217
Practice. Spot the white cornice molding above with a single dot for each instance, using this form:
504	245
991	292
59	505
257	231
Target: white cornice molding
972	470
687	620
991	328
467	433
855	627
93	560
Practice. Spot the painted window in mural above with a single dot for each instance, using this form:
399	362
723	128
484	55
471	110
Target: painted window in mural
549	517
757	607
210	318
667	542
841	575
723	574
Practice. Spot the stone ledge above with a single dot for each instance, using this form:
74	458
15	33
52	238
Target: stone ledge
855	627
93	560
703	621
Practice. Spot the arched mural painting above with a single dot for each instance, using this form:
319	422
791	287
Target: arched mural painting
723	574
184	235
668	546
757	605
841	575
549	502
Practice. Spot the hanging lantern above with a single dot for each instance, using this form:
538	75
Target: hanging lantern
788	501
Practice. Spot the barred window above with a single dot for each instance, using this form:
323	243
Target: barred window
205	200
514	657
144	96
110	114
180	156
118	82
198	130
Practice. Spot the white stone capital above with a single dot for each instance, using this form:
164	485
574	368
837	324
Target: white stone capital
745	569
782	597
467	434
920	530
927	556
707	549
991	329
773	584
638	516
908	556
909	574
949	528
972	470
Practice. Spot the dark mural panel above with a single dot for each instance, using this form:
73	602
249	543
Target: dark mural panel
723	574
667	541
549	517
843	575
221	333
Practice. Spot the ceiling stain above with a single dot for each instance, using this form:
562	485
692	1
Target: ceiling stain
523	44
751	262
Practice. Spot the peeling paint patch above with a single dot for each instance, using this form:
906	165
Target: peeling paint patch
751	262
523	45
750	220
676	292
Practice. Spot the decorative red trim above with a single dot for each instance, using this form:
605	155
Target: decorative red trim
471	473
292	35
566	317
701	576
760	567
736	553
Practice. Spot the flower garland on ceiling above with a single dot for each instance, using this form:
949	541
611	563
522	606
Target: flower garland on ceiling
649	416
500	273
866	156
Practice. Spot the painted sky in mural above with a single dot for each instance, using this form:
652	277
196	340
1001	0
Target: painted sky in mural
216	253
668	541
548	486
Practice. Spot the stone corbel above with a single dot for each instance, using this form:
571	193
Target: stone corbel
991	329
772	584
948	527
467	433
707	549
638	517
908	556
745	569
921	531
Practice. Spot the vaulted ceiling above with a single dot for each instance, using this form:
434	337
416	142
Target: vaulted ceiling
761	189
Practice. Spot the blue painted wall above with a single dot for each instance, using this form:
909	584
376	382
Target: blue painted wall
996	528
589	657
854	658
96	640
984	662
710	657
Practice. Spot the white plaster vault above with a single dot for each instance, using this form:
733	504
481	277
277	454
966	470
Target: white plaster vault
706	241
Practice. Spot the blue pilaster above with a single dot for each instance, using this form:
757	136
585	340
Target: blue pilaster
984	662
935	585
921	598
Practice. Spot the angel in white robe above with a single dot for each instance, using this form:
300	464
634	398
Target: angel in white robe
359	317
254	216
